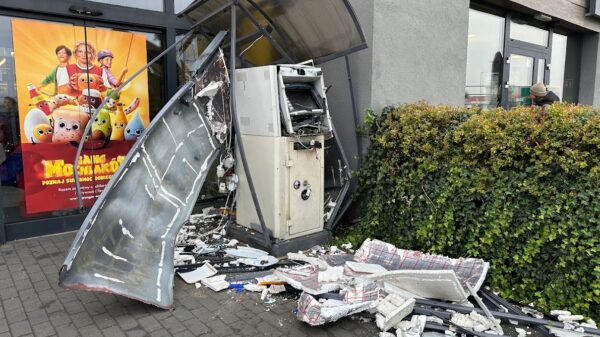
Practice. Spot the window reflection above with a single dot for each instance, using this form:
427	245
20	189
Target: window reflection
520	80
153	5
527	33
484	59
557	66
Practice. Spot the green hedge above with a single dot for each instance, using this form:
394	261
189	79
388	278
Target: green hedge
518	189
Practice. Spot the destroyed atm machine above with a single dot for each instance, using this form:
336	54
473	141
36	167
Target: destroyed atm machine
284	122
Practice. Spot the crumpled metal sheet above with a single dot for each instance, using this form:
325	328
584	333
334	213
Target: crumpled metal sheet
467	270
212	87
126	243
317	30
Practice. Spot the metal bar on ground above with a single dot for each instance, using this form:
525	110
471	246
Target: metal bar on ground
355	112
499	301
483	307
501	315
445	316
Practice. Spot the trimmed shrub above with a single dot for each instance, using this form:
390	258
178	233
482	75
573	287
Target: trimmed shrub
518	188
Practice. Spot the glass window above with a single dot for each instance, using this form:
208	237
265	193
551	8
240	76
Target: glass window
527	33
181	5
36	171
484	59
540	71
520	80
153	5
557	66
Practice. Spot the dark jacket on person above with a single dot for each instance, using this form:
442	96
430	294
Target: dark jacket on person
549	99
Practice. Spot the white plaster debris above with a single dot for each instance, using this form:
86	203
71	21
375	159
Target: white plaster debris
276	289
522	332
308	259
570	318
107	252
590	324
216	283
392	310
386	334
532	312
331	274
473	321
412	328
367	268
559	312
254	287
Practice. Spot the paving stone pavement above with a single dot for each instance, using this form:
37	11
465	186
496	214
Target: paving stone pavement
34	305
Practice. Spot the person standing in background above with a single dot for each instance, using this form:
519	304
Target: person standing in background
541	96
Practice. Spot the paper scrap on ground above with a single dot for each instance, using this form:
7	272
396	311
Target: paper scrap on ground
207	270
216	283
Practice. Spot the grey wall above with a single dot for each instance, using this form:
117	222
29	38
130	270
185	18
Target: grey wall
419	51
589	82
572	11
340	102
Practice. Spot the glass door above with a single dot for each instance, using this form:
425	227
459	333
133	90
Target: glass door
525	68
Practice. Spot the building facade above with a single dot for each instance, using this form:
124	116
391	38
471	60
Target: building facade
483	53
34	194
466	52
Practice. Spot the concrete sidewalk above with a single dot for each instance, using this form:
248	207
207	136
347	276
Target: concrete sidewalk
34	305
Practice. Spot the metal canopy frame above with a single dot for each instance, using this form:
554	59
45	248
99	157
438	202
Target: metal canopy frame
286	42
261	32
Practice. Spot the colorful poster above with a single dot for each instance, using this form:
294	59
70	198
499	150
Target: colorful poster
64	72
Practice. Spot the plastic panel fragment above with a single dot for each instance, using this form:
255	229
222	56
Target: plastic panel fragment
469	270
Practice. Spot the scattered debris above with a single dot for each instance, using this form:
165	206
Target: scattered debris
207	270
216	283
379	281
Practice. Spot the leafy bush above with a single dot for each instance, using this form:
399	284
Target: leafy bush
516	188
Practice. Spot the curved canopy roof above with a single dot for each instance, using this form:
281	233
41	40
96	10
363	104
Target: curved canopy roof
284	31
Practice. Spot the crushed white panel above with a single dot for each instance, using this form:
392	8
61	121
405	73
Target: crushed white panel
331	274
469	270
367	268
473	321
216	283
412	328
207	270
306	278
308	259
392	310
436	284
315	313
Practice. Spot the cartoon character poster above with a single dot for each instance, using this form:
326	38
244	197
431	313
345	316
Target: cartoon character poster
64	72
